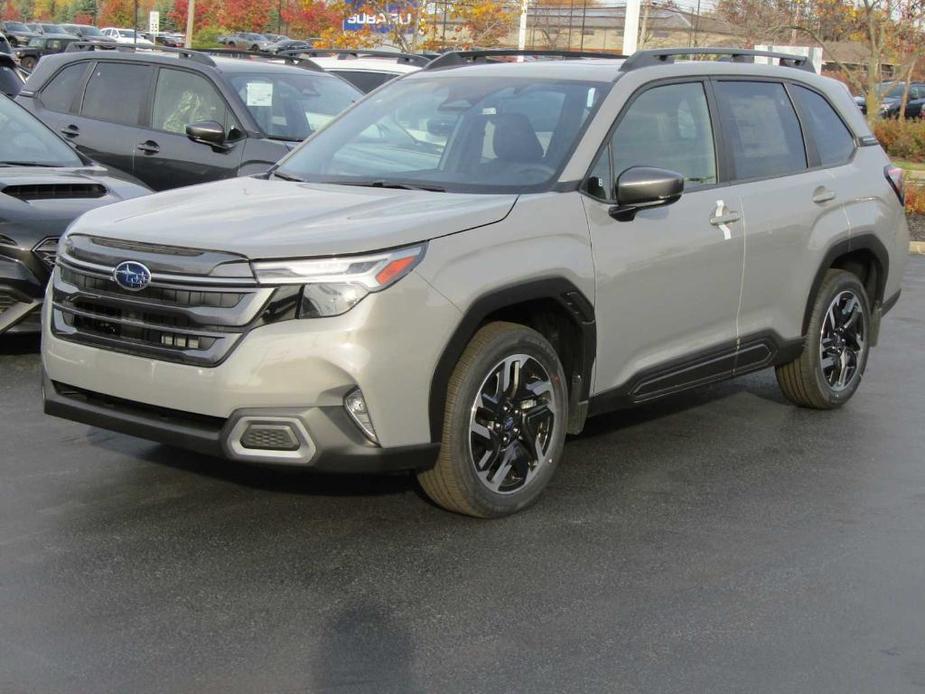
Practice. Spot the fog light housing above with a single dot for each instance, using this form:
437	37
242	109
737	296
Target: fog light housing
356	408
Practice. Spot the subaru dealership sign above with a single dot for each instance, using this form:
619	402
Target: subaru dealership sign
383	22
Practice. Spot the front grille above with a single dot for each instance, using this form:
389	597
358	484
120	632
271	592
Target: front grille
183	323
47	250
49	191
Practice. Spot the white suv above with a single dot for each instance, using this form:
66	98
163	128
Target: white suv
465	265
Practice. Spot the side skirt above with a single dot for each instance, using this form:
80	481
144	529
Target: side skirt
720	363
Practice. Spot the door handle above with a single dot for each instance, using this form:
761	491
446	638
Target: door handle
727	218
149	147
723	217
70	131
822	195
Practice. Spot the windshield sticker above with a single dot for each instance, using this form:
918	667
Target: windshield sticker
489	111
259	94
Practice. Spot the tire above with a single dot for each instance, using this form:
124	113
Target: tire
28	63
485	423
834	357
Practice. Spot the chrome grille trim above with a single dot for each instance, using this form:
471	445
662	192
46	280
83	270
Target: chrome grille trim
158	278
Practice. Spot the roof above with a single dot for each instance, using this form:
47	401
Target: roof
343	63
583	69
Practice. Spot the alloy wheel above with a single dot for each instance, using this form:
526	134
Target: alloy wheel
512	423
842	341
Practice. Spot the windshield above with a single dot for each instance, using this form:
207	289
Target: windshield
461	135
24	140
36	42
254	37
126	33
292	105
85	31
16	26
52	29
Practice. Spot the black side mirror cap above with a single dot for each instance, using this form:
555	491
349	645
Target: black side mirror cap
639	187
207	132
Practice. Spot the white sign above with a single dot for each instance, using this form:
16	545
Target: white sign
154	22
814	53
259	94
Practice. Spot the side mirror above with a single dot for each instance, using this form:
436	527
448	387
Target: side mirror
640	187
207	132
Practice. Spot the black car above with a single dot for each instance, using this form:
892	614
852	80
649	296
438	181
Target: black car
47	28
89	33
12	77
168	40
44	186
289	45
17	33
891	95
183	117
39	46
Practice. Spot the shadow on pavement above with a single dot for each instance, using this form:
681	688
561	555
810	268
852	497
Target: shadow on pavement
20	344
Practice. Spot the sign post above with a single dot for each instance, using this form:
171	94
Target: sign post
154	24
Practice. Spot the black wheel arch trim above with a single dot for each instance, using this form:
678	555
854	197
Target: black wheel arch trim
559	289
861	242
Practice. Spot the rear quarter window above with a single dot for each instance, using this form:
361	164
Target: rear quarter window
834	142
62	92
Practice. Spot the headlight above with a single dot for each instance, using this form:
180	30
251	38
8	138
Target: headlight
332	286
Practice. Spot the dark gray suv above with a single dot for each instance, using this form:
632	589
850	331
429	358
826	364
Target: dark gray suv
182	117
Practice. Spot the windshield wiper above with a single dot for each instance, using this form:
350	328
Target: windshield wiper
391	184
286	177
29	163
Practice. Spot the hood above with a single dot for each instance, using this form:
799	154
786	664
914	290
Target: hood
261	218
36	202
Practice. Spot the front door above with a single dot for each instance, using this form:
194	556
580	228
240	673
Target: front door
668	282
164	156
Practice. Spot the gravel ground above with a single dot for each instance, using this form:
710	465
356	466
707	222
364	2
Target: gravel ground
917	226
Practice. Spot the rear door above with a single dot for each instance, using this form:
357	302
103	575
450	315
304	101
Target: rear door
164	156
788	200
57	104
107	126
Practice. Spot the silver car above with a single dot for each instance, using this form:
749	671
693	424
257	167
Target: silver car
464	266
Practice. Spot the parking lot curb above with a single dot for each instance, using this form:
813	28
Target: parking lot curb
917	247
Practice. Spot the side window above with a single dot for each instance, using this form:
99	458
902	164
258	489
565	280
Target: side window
761	129
116	92
668	127
61	94
182	98
833	140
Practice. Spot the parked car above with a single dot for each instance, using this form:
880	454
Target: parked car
47	28
39	46
365	69
209	118
458	271
891	94
913	105
276	38
88	33
44	186
17	33
170	40
126	37
12	77
246	40
289	45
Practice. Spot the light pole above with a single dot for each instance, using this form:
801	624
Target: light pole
190	13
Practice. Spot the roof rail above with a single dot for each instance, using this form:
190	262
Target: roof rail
293	59
660	56
456	58
344	53
196	56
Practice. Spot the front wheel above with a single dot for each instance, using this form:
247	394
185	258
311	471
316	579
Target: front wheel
504	424
829	370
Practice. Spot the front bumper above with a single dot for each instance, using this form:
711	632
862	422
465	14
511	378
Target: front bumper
336	445
20	297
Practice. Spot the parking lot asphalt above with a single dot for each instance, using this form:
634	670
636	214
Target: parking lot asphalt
720	541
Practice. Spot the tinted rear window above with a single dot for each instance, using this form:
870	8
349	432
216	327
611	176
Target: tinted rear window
115	92
833	140
761	129
364	81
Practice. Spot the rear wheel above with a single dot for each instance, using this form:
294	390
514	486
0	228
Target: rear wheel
504	424
829	370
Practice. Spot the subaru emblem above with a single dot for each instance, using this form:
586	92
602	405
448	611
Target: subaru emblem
131	275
